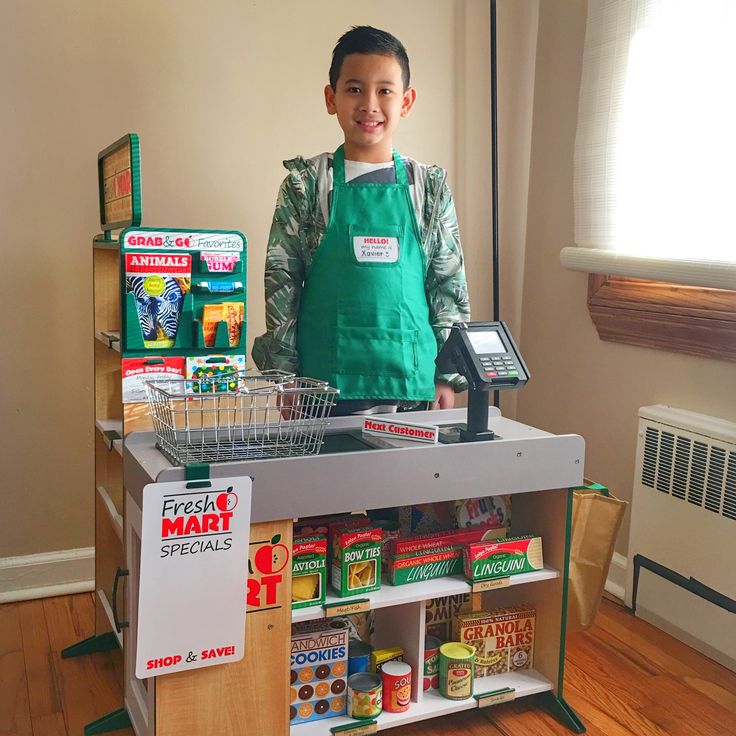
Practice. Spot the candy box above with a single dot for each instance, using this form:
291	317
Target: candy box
356	560
503	638
489	560
319	666
308	571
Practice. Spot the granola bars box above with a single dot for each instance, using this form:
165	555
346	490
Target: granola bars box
319	666
308	571
503	638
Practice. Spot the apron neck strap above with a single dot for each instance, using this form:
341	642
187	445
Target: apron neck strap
338	168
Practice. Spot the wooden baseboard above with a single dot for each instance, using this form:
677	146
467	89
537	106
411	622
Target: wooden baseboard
64	572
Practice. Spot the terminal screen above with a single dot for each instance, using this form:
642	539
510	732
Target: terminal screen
486	342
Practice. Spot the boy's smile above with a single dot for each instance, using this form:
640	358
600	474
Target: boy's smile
369	99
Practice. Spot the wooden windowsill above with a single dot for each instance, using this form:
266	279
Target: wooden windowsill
684	319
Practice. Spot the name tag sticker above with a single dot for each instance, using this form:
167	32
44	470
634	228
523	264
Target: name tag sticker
376	249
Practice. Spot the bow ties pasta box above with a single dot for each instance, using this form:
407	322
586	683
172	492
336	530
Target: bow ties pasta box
319	665
356	560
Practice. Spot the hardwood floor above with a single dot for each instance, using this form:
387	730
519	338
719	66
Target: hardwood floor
623	677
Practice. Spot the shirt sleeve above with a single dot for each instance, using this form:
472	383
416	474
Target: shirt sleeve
447	288
284	277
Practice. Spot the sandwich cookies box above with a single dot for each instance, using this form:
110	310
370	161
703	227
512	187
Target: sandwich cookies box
503	638
309	571
319	666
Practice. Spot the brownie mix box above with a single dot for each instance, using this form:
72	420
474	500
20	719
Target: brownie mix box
308	571
503	638
319	666
441	612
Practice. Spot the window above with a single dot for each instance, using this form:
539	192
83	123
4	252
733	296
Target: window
655	173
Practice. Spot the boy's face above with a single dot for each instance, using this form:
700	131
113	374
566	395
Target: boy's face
369	99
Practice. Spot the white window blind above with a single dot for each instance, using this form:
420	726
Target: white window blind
655	149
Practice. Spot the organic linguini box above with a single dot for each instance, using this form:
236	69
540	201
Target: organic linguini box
435	563
309	571
356	560
489	560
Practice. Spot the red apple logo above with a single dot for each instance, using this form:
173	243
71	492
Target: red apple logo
227	501
272	558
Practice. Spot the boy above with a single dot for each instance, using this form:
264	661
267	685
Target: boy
364	270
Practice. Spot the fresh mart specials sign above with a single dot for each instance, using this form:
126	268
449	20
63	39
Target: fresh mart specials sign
193	575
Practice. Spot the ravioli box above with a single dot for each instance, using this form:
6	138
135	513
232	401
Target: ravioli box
356	560
489	560
435	563
319	666
309	571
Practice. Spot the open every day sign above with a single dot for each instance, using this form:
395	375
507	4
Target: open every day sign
193	575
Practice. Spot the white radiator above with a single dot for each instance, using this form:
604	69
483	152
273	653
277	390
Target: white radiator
683	529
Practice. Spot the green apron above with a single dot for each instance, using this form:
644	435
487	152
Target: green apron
363	319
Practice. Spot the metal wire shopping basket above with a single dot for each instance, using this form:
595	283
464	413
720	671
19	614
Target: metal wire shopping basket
239	416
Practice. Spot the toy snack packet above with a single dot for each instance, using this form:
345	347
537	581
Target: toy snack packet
158	282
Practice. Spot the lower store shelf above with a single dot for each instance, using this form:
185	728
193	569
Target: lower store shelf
524	682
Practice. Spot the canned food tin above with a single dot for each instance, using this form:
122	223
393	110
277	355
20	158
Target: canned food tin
396	686
456	670
359	656
432	646
364	695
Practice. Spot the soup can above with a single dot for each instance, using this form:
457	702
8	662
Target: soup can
396	686
364	695
456	670
359	656
431	662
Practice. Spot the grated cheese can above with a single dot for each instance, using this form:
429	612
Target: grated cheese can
456	670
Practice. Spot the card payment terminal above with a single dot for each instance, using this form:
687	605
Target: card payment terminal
486	355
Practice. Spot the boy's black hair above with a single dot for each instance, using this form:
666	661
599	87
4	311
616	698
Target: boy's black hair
368	40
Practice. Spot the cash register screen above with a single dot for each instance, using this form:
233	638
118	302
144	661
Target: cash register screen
486	342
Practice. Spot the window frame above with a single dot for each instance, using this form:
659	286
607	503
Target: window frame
654	314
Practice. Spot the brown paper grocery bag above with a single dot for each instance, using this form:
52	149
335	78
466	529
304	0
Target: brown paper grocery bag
596	519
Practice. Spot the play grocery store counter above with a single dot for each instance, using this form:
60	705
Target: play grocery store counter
199	512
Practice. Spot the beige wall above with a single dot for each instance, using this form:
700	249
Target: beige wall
580	384
219	93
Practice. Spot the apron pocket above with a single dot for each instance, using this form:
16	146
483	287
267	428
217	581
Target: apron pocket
373	352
